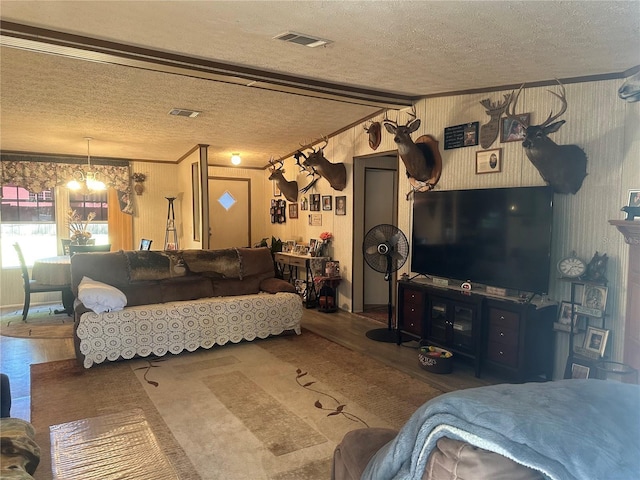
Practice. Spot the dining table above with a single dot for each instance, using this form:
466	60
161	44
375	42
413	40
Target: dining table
56	271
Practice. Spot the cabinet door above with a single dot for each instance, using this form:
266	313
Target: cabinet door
439	321
462	327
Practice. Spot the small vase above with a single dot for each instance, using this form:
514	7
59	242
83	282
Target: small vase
139	188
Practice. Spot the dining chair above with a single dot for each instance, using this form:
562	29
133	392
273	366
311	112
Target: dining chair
89	248
32	286
65	245
145	244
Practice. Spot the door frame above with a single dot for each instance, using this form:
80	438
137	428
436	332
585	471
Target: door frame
360	164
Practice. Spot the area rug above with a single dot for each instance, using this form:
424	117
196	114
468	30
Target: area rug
42	322
269	409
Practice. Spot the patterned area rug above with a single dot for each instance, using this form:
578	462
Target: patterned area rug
268	409
42	322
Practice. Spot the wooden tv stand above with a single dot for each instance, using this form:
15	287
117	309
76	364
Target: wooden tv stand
506	334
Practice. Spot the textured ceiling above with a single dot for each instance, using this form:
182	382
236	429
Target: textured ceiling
49	103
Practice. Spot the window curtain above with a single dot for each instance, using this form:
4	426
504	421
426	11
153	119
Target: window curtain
38	174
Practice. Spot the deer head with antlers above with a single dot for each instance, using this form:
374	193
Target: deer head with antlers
418	159
288	189
334	173
561	166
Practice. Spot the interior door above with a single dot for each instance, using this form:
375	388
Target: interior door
379	209
229	212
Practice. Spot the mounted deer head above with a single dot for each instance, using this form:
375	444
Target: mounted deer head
334	173
561	166
288	189
374	131
418	159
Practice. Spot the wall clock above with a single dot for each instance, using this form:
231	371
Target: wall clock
572	266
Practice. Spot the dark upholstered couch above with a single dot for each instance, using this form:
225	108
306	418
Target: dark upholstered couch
177	300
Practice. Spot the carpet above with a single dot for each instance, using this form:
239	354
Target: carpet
270	409
42	322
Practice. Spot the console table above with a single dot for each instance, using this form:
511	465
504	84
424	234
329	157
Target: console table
311	266
513	337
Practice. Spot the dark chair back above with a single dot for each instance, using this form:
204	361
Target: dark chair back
89	248
23	267
65	245
145	244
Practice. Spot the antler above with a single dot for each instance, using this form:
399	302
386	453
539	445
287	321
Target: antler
386	120
274	167
510	112
496	107
563	99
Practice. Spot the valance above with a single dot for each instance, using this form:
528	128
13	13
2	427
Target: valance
37	175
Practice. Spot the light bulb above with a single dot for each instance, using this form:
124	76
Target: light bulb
235	158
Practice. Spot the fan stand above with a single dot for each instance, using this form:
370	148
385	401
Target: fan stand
387	335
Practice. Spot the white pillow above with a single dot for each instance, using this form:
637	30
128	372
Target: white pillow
100	297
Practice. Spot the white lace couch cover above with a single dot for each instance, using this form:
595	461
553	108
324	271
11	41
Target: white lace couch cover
173	327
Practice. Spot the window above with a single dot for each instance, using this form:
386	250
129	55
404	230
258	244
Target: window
94	202
30	220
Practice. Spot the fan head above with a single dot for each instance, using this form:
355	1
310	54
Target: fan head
385	248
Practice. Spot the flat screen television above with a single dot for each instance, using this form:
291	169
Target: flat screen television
499	237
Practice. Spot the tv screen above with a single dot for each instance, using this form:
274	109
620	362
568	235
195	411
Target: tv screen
499	237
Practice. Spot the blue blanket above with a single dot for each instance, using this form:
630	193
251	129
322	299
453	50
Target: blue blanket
569	429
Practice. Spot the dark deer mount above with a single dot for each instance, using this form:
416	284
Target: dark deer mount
563	167
374	130
489	131
288	189
317	164
423	165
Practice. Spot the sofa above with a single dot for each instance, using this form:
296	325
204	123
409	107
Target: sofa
563	430
141	303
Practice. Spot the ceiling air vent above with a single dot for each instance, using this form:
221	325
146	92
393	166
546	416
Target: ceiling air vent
183	112
300	39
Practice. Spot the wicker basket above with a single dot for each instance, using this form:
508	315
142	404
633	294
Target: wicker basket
435	360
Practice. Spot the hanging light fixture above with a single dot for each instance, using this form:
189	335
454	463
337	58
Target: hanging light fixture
236	159
86	181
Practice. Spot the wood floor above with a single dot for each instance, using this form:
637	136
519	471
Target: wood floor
349	330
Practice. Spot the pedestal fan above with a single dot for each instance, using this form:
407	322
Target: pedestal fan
385	249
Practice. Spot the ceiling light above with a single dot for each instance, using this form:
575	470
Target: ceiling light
302	39
235	158
86	182
183	112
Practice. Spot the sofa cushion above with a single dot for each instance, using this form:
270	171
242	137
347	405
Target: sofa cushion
187	288
275	285
143	293
457	459
100	297
353	453
214	263
154	265
256	261
230	286
110	268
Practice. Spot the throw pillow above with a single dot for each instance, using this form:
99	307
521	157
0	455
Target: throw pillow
275	285
100	297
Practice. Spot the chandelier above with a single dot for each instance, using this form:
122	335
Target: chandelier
86	181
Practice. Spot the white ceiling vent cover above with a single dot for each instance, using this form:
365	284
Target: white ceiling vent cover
301	39
183	112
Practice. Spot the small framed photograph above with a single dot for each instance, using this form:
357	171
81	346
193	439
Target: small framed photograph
595	340
276	190
290	246
314	202
313	245
512	131
595	297
315	219
489	161
341	205
304	204
579	371
564	315
293	210
327	202
634	198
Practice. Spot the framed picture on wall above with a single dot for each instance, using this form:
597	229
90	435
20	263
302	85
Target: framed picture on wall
315	219
341	205
489	161
314	202
276	190
293	210
634	198
512	131
327	202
